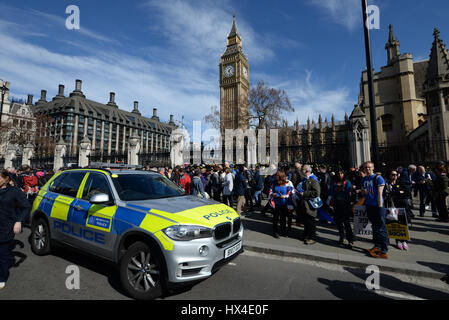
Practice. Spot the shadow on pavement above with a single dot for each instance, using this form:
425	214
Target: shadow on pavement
350	290
439	267
394	284
437	245
92	263
22	257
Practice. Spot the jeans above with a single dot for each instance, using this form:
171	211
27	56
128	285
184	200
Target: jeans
227	200
377	218
258	197
342	220
5	259
280	213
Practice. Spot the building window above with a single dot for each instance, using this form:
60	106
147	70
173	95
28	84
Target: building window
387	122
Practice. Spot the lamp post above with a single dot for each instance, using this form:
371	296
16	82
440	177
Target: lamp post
3	89
369	65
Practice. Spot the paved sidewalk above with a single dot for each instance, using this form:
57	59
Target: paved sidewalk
428	254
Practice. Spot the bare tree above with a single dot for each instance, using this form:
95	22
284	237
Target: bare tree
213	118
266	108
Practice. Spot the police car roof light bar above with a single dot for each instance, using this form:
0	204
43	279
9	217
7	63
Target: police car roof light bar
105	165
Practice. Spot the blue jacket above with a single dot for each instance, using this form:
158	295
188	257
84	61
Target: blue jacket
240	184
14	207
258	178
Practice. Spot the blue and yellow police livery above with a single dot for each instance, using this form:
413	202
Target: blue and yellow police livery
141	221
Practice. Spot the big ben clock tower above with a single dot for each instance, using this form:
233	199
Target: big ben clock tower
234	84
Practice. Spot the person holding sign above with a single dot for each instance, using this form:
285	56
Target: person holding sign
372	189
396	196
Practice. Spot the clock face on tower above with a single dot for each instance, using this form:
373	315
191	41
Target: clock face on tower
229	71
245	72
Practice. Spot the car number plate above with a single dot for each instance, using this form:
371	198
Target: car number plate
232	250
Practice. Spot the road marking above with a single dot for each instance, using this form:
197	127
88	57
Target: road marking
397	295
232	264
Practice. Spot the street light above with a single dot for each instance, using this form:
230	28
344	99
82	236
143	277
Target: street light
369	65
3	89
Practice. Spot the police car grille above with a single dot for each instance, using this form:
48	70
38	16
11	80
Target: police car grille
236	225
222	231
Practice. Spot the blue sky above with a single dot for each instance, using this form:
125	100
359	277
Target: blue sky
165	53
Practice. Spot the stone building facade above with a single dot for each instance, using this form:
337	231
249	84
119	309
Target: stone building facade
17	129
411	103
107	127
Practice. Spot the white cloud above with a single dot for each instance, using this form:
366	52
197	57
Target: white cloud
180	78
347	13
311	99
201	28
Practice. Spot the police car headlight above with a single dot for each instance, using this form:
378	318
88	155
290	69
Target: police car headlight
186	233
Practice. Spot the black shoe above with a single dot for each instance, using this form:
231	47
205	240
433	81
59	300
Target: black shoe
276	235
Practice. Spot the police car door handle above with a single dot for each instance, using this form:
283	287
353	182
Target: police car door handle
78	208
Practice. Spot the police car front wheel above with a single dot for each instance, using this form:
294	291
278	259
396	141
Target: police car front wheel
40	237
141	272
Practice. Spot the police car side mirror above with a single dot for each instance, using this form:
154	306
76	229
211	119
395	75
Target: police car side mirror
99	198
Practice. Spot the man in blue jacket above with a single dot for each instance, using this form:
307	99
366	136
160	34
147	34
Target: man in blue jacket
372	189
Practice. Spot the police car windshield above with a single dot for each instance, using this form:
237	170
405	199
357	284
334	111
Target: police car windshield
135	187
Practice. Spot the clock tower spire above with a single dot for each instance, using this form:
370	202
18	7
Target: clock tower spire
234	84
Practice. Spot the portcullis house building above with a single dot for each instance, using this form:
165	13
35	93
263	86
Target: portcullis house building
74	117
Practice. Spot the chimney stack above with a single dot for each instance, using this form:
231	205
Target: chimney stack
112	99
78	87
30	100
43	98
60	94
136	107
172	119
155	117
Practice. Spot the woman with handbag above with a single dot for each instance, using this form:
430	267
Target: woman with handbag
309	193
396	196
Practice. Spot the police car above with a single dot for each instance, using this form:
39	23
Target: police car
155	233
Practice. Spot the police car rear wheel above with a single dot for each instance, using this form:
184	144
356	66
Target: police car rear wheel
141	272
40	238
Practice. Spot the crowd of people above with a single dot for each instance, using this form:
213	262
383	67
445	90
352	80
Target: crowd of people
298	193
295	195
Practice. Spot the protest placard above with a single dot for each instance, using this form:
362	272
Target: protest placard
362	226
398	229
